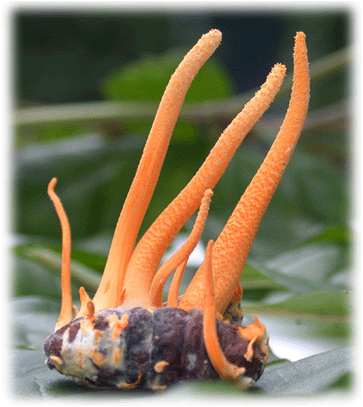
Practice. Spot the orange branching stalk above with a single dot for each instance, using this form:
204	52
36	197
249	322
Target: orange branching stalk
131	278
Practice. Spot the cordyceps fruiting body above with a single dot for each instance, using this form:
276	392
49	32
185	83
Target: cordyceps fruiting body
126	337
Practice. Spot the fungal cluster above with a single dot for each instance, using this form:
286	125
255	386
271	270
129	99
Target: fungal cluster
126	337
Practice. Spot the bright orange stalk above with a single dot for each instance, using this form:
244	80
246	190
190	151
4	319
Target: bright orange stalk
180	255
232	246
226	370
173	293
152	245
142	188
66	308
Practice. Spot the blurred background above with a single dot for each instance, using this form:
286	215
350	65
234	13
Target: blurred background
86	88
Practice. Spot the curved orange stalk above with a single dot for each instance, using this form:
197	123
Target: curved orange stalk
156	289
143	185
65	315
226	370
152	245
173	293
232	246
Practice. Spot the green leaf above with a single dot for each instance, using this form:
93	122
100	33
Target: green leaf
335	234
32	378
308	375
253	278
33	319
322	185
308	267
322	305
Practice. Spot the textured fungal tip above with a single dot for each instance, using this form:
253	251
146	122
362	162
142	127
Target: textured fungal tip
208	194
300	43
215	35
52	185
279	69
